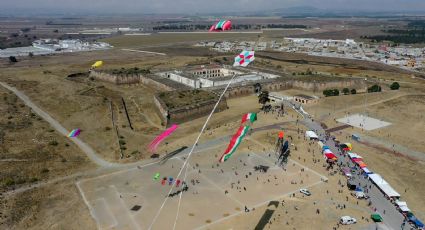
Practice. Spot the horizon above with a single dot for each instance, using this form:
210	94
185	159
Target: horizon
205	8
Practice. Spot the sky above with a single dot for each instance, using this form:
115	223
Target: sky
204	6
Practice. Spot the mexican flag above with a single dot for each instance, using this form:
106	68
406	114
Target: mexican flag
249	117
234	143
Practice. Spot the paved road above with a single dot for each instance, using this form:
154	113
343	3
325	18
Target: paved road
393	219
91	154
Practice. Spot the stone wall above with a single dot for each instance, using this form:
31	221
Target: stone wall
279	84
149	81
116	78
187	113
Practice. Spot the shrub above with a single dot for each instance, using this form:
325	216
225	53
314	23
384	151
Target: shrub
45	170
345	91
374	88
353	91
9	181
395	86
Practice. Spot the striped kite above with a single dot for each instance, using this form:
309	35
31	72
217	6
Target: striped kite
240	134
222	25
249	117
74	133
234	143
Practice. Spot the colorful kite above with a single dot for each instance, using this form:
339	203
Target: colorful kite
249	117
234	143
154	144
222	25
74	133
97	64
244	58
156	177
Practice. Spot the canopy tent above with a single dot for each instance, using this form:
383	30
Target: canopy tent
366	170
353	155
330	156
312	135
327	151
400	203
320	143
357	160
325	147
346	146
347	172
404	208
361	164
383	185
418	223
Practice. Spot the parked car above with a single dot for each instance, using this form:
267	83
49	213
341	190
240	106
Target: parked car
305	192
359	195
347	220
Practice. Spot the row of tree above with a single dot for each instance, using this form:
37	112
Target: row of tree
396	38
346	91
238	26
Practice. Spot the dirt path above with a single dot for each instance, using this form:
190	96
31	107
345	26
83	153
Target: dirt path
90	153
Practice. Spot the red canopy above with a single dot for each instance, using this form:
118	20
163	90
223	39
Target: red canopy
330	156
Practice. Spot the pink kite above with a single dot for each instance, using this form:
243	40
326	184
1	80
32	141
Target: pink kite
154	144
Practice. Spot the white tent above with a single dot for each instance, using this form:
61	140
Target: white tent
383	185
366	170
312	135
354	155
400	203
404	208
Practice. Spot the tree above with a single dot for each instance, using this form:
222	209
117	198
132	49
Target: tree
395	86
346	91
263	98
13	59
328	92
335	92
257	87
353	91
374	88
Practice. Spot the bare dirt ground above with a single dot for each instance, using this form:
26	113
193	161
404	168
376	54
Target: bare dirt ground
404	109
31	152
82	104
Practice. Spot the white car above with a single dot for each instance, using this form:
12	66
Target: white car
359	195
347	220
305	192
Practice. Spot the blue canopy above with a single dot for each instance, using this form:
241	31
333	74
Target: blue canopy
325	147
418	223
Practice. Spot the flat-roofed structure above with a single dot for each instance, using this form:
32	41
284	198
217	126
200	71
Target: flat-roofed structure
205	76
